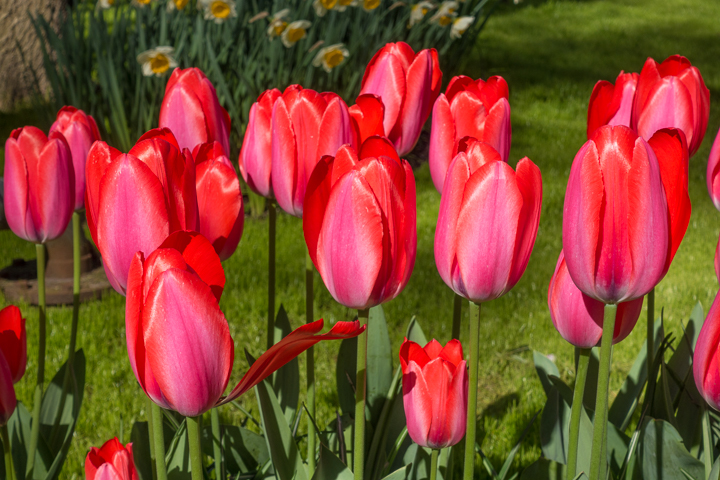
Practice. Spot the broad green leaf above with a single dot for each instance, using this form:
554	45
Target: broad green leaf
545	367
345	372
544	469
286	380
415	333
663	455
399	474
140	438
177	456
379	364
244	451
329	467
591	380
511	456
554	427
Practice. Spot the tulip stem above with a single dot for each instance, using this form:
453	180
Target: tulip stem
650	331
157	420
469	464
151	435
9	470
217	444
196	465
309	316
272	213
359	446
598	460
457	316
434	464
580	378
35	431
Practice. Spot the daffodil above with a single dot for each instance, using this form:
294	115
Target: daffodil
278	24
330	57
294	32
342	5
157	61
141	3
104	4
418	12
370	5
460	25
176	4
323	6
218	10
445	14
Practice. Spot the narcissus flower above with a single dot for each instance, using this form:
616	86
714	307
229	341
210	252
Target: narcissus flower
104	4
370	5
330	57
176	4
157	61
418	12
278	23
323	6
445	14
460	25
218	10
112	461
294	32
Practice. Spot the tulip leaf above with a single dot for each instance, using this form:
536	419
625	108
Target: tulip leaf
544	469
511	456
177	457
345	371
399	474
663	454
244	451
330	467
415	333
140	438
591	380
286	380
379	364
19	431
545	367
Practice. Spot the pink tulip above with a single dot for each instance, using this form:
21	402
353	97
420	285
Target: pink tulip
488	222
112	461
256	152
360	225
616	225
13	341
717	261
435	392
706	361
178	340
468	108
191	110
80	131
579	318
713	172
612	104
135	200
368	114
305	126
39	184
220	202
408	84
672	94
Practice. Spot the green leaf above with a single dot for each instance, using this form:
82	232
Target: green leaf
415	333
511	456
345	371
140	438
663	455
399	474
177	457
330	467
545	367
379	364
544	469
286	380
244	451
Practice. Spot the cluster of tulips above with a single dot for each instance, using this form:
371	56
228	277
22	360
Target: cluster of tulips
166	213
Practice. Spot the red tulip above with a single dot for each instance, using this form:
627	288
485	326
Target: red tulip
13	341
368	114
713	172
408	84
8	401
435	392
191	110
579	318
256	152
220	202
359	223
612	104
717	261
468	108
135	200
672	94
39	184
706	361
112	461
305	126
617	229
80	131
487	223
178	340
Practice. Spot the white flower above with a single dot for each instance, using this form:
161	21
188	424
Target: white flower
141	3
176	5
157	61
342	5
418	12
104	4
445	14
218	10
322	6
460	25
277	23
330	57
294	32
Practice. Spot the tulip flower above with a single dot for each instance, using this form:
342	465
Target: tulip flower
8	401
579	318
359	224
112	461
80	131
671	94
713	172
468	108
717	261
39	184
179	341
191	110
367	114
220	202
617	229
612	104
408	84
13	341
135	200
305	126
706	366
487	224
435	392
256	152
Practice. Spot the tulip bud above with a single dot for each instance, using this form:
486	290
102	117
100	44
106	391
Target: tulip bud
13	341
112	461
359	223
468	108
706	361
488	222
435	392
612	104
80	131
39	184
256	152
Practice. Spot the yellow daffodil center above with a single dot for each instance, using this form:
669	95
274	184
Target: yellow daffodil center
424	11
346	3
328	4
280	27
295	34
111	2
333	58
445	20
159	64
179	4
220	9
142	2
371	4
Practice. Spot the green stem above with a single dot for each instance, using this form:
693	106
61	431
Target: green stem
457	316
469	464
309	316
196	465
598	460
217	444
650	330
434	464
157	419
272	213
707	441
151	435
359	447
580	377
9	470
35	431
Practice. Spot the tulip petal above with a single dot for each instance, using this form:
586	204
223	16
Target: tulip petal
669	105
199	254
13	340
8	401
17	192
497	129
417	401
284	157
368	114
99	158
412	352
416	104
376	147
53	200
706	359
456	405
385	77
469	114
182	112
437	376
529	182
442	140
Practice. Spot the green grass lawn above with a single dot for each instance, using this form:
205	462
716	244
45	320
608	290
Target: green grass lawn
551	54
